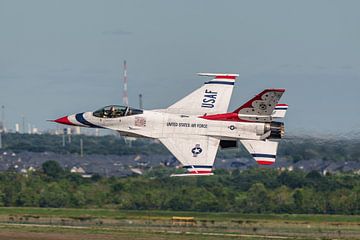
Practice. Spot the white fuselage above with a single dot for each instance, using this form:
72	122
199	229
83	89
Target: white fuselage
193	128
159	124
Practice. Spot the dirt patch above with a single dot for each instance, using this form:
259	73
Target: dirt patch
54	236
17	235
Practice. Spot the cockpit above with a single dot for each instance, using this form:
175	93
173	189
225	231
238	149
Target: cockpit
115	111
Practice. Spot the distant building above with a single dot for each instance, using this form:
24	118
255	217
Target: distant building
136	171
34	130
77	130
17	127
77	170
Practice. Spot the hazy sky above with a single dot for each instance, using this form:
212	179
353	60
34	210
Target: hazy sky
63	57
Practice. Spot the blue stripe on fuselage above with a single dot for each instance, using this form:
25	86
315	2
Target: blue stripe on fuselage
80	118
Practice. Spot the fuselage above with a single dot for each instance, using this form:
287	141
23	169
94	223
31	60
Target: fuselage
160	124
194	127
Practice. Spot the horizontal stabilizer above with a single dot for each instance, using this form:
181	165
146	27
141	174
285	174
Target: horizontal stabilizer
264	152
280	111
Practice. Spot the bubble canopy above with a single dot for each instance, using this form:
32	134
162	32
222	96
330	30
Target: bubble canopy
115	111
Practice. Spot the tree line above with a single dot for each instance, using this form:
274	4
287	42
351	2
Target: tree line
294	149
252	191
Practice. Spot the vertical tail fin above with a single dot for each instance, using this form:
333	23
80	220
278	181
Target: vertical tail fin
212	98
260	107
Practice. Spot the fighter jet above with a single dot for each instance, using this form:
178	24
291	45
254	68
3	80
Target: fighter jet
194	127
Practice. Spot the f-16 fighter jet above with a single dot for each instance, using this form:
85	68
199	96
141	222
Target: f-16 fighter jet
194	127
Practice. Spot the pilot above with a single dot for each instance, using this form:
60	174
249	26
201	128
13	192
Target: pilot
112	112
105	113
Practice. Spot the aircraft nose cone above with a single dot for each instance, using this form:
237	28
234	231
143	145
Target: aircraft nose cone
64	120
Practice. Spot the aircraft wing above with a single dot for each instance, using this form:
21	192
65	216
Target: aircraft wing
212	98
195	153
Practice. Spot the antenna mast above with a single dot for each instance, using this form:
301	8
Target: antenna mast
2	125
140	101
125	93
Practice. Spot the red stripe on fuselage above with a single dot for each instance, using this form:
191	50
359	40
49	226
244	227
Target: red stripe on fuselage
233	117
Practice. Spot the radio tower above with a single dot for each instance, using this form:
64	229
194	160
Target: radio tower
125	93
140	101
128	140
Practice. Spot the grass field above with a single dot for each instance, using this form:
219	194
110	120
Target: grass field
43	223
